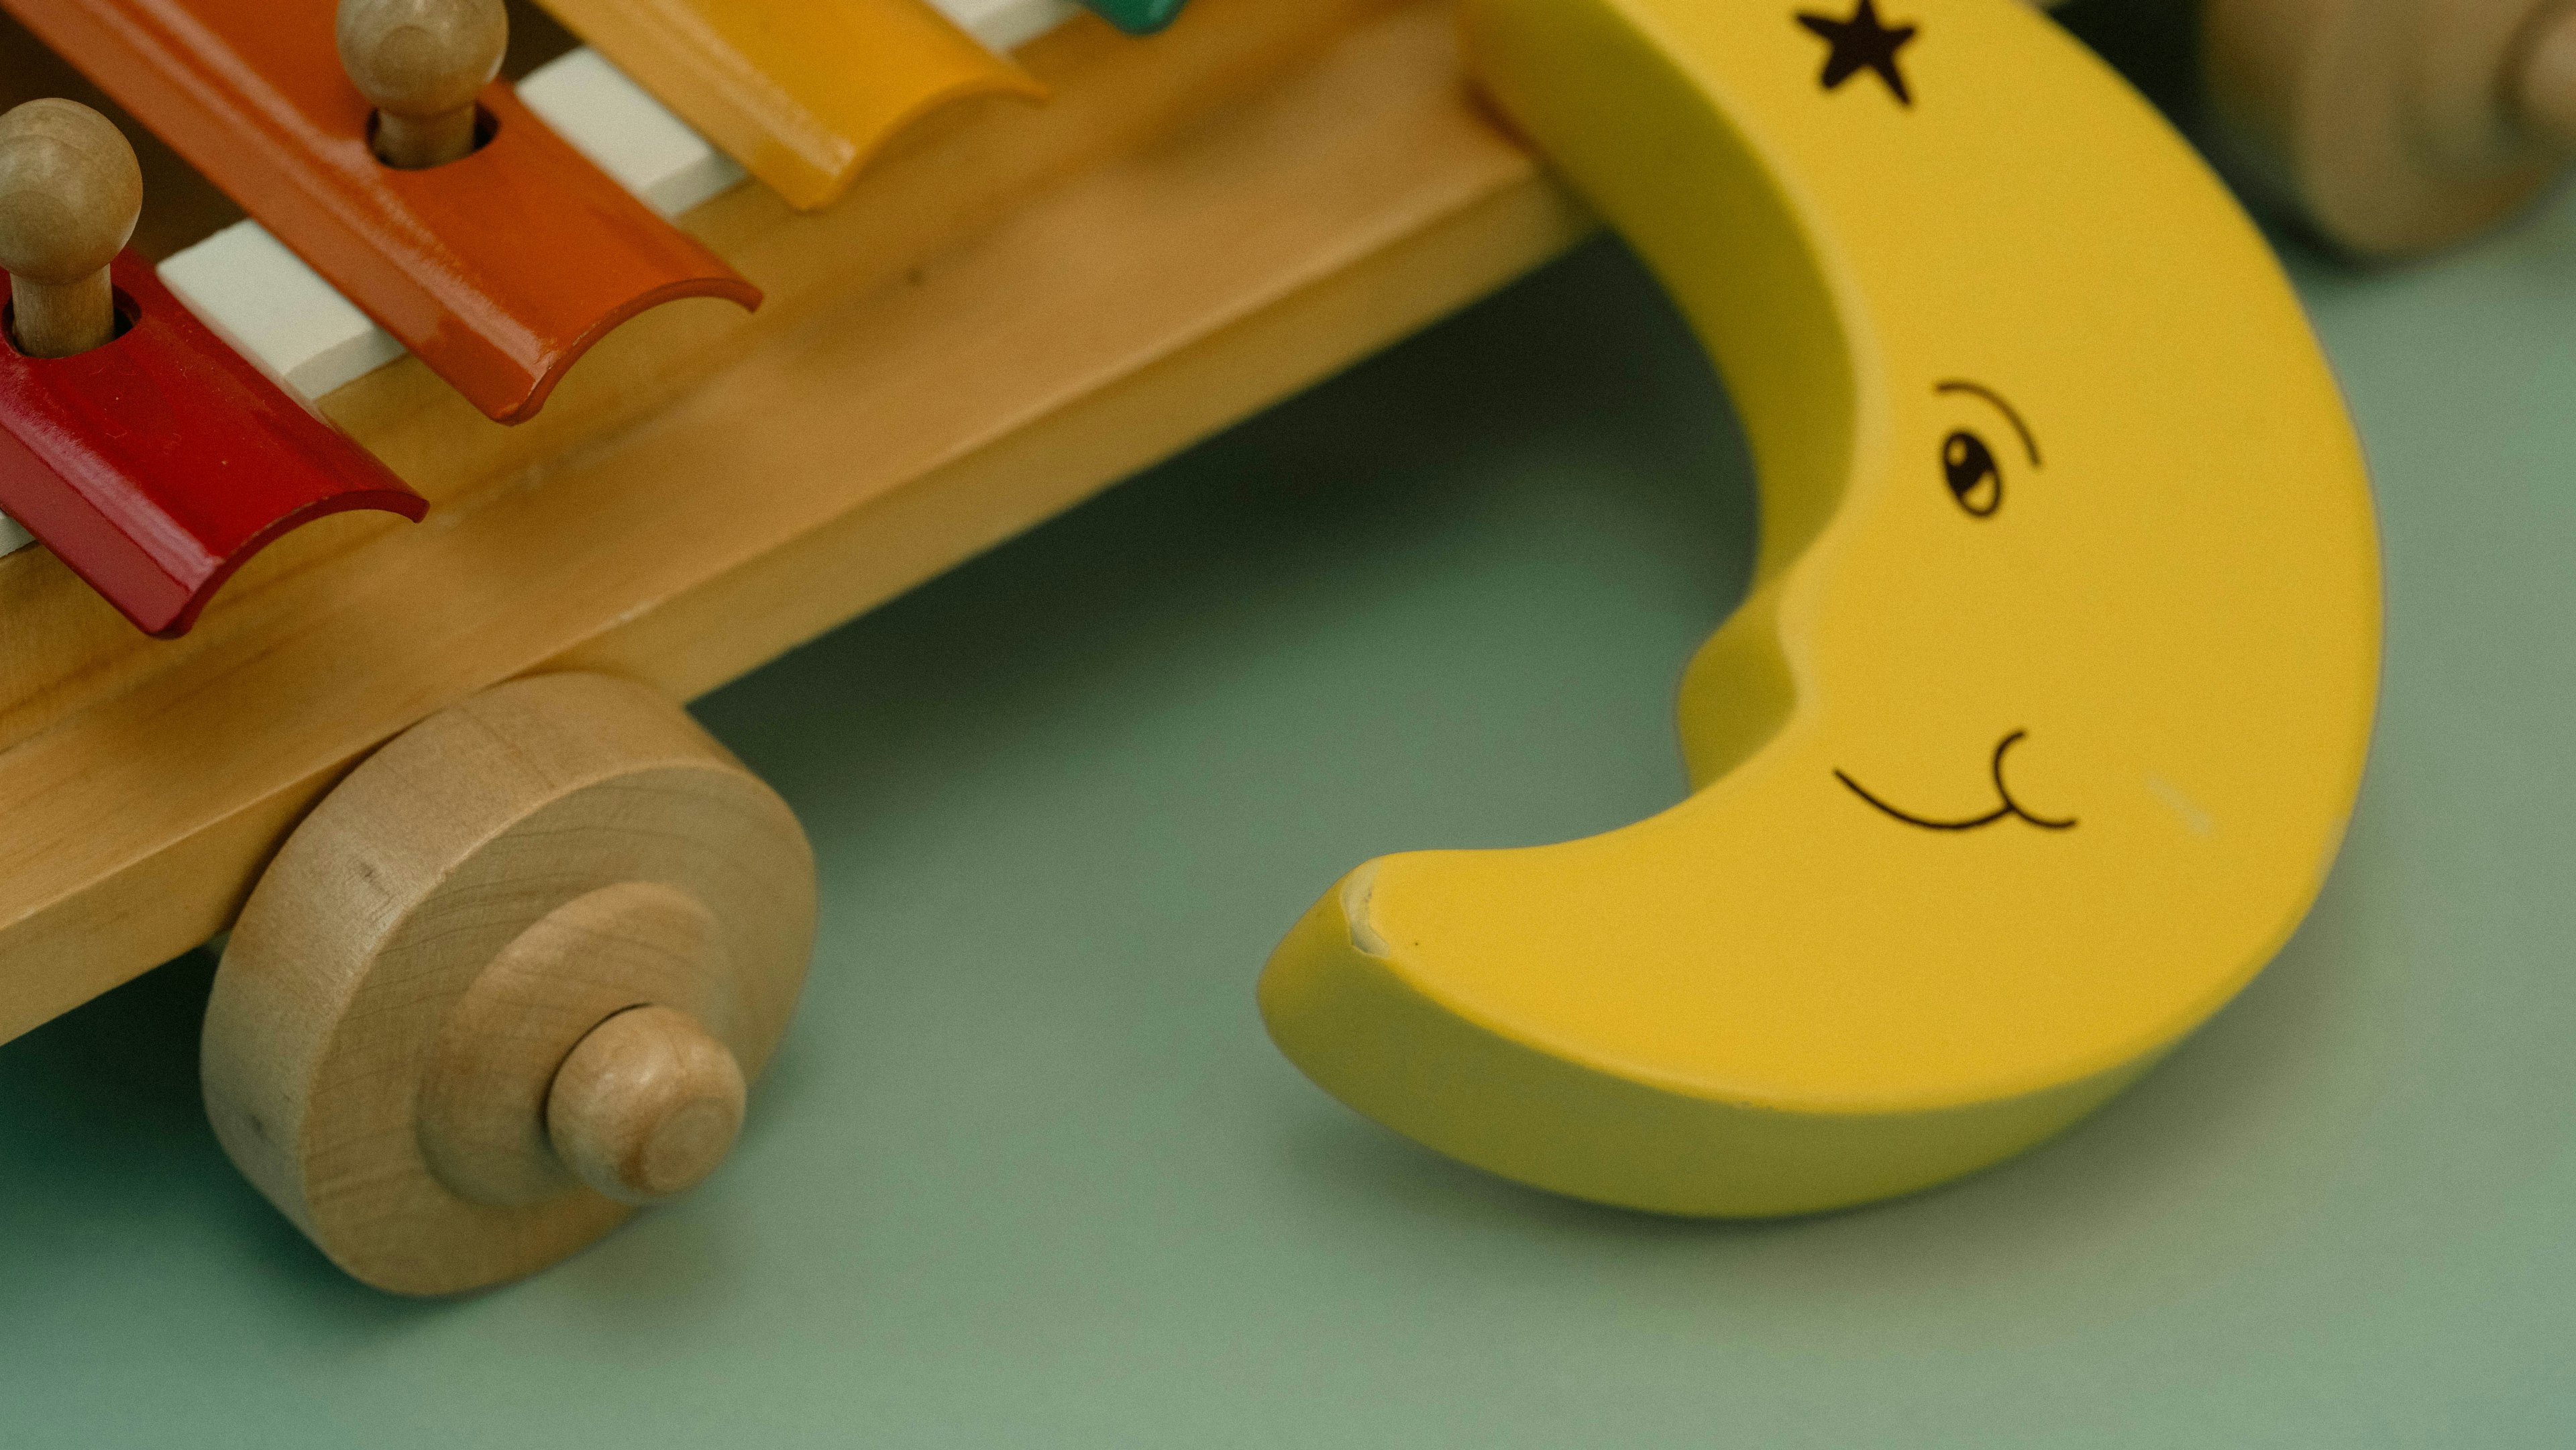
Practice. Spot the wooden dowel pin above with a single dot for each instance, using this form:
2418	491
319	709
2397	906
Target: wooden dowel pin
70	191
532	1082
645	1106
421	63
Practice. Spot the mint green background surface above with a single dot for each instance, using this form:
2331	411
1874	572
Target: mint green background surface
1028	1173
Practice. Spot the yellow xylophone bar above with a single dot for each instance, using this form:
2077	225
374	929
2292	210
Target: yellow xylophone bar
801	92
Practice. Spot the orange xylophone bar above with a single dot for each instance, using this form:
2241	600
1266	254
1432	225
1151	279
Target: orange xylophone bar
498	270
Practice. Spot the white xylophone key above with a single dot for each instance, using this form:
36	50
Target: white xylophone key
277	312
627	133
12	537
1006	25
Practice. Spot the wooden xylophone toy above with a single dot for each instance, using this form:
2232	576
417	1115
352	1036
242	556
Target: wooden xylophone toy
447	430
707	328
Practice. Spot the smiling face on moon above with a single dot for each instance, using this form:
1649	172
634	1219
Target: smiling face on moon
2040	728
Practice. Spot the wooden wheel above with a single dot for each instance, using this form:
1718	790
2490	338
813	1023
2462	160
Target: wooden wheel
507	981
2399	126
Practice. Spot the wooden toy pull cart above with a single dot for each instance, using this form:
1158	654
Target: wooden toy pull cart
420	1044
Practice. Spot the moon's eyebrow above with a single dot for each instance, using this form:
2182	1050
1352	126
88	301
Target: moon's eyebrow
2029	444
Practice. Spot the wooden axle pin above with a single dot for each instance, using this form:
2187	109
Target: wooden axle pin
645	1106
70	191
421	63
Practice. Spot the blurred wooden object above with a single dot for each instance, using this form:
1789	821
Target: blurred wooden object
2398	126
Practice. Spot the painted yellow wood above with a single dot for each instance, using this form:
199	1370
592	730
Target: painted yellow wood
950	362
2042	723
802	92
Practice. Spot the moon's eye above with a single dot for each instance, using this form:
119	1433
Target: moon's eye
1969	465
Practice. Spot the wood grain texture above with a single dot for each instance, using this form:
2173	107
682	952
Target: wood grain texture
1143	302
487	896
487	1094
645	1105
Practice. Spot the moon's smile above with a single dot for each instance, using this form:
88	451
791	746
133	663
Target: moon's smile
2009	809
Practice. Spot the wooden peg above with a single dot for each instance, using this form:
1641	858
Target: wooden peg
421	63
2397	126
645	1105
70	191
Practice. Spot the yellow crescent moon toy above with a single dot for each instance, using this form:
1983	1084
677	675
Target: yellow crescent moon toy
2043	720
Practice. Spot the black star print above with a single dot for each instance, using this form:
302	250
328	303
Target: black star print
1862	43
